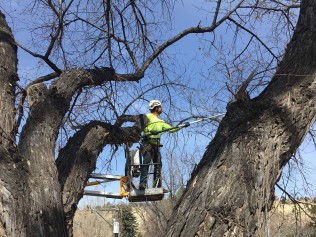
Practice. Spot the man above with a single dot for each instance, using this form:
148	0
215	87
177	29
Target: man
151	143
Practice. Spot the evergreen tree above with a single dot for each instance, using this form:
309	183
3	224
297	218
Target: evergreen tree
313	215
128	222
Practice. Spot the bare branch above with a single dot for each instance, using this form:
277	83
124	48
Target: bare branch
43	57
216	12
192	30
44	78
254	35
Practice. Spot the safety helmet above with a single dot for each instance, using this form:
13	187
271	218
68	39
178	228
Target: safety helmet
153	103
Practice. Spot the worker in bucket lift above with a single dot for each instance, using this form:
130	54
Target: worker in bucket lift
151	143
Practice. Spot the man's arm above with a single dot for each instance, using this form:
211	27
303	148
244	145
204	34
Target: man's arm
177	128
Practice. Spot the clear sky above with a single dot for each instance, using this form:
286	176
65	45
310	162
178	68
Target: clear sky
188	52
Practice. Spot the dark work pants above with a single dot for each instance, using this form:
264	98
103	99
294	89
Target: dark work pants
150	153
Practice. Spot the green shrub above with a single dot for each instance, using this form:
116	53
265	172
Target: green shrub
128	222
312	210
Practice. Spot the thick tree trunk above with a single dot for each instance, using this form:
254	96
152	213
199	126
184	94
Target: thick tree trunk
8	78
228	196
31	201
233	188
77	160
13	172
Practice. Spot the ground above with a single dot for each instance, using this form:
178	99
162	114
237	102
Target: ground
285	220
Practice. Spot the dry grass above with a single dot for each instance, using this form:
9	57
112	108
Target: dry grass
285	220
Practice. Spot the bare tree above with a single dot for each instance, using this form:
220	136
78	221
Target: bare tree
233	188
90	57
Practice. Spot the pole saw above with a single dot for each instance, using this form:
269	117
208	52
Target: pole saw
154	132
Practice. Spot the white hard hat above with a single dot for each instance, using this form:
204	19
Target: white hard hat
153	103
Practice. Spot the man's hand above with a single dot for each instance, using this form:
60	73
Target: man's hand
154	132
187	124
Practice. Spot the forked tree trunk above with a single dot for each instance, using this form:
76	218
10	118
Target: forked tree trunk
77	160
22	202
228	196
30	200
37	199
233	188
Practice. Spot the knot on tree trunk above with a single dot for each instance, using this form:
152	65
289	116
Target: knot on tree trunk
36	93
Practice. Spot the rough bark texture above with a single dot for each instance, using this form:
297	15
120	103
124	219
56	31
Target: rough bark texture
35	200
8	78
228	196
233	188
12	170
77	160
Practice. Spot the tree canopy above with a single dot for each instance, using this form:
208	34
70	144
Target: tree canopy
95	61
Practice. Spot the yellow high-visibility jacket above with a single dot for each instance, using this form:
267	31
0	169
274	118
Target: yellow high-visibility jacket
157	124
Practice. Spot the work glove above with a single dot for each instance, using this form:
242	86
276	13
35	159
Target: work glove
154	132
187	124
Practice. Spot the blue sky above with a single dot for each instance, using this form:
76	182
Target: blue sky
188	52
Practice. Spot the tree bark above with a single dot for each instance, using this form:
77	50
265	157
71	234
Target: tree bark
8	78
13	171
232	189
77	160
31	202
